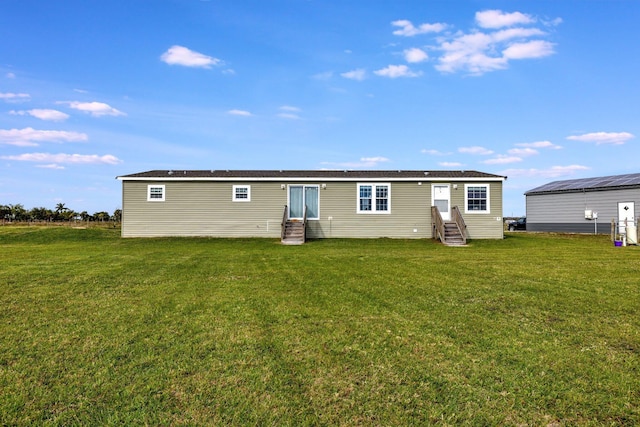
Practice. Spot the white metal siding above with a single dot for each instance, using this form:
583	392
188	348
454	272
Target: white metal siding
568	208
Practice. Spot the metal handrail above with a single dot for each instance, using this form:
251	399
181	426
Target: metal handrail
459	220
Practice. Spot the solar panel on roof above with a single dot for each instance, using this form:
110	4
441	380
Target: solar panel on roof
589	183
627	181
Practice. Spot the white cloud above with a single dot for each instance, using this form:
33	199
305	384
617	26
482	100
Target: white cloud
450	164
15	97
10	75
434	152
478	52
552	172
289	116
358	74
50	166
395	71
475	150
553	22
469	52
501	159
614	138
530	49
327	75
289	112
84	159
408	30
516	33
523	152
43	114
290	108
499	19
365	162
239	113
180	55
374	159
539	144
415	55
29	137
96	109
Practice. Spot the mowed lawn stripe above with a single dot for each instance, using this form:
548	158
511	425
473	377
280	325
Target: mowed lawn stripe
533	329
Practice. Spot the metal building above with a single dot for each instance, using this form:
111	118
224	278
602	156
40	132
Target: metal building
585	205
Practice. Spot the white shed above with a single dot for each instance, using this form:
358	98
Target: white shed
585	205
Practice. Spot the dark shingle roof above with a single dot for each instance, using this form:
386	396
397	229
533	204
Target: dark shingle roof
311	174
592	184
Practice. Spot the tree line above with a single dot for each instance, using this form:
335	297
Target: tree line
18	213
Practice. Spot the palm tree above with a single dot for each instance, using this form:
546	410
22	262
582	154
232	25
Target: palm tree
40	214
101	216
17	212
5	211
60	209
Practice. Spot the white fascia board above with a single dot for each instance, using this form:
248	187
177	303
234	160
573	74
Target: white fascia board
312	179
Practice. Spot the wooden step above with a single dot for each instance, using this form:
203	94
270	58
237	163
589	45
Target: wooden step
294	233
452	235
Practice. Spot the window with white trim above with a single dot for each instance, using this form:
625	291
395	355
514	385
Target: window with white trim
476	198
155	193
241	193
374	198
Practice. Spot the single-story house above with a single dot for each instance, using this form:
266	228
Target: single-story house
343	204
585	205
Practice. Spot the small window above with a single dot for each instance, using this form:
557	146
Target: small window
241	193
477	198
155	193
374	198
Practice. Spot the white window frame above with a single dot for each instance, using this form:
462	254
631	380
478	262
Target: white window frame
304	187
466	199
235	197
151	187
373	210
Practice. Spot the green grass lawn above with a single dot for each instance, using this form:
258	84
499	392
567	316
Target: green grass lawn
531	330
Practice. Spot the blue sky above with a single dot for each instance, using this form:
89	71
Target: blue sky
534	90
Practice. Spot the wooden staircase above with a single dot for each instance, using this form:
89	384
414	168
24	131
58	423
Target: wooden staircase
293	233
452	235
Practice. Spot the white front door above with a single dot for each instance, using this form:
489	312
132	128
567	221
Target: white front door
441	196
626	215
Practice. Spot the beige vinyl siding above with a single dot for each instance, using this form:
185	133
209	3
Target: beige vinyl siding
202	209
481	225
205	208
409	217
